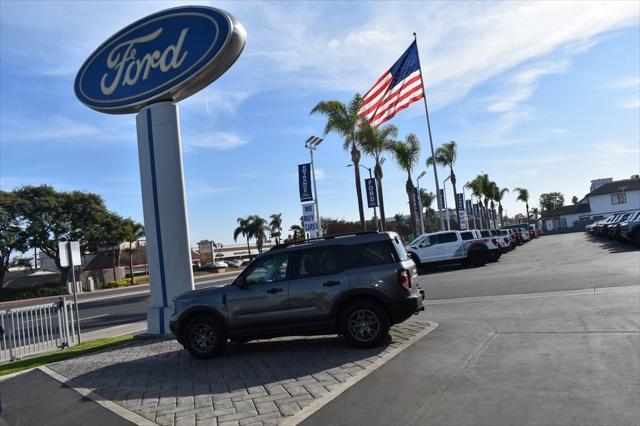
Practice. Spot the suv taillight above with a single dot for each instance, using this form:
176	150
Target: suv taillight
506	240
404	279
495	242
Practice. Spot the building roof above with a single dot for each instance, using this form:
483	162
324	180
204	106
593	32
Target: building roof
567	210
615	186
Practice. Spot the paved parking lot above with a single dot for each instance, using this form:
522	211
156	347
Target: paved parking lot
550	263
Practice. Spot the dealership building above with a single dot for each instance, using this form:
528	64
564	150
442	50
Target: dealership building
606	197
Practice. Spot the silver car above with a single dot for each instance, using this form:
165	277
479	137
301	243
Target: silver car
357	285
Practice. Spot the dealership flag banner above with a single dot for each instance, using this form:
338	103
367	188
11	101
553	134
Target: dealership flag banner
469	208
441	199
461	202
476	209
304	182
416	200
372	192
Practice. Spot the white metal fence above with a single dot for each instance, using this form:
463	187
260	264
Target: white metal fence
31	330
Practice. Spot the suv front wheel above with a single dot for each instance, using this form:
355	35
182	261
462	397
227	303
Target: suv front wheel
364	324
204	336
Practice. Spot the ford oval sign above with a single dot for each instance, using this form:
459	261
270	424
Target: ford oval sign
167	56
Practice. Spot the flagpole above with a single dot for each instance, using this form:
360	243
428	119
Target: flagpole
426	110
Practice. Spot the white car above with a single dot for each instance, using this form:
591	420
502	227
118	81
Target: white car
234	263
221	264
448	247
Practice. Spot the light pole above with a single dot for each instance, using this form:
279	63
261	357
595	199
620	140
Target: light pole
420	201
375	210
444	193
311	144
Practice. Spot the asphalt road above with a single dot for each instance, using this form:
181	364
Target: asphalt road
550	263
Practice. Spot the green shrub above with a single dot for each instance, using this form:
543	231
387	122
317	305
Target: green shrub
50	289
125	282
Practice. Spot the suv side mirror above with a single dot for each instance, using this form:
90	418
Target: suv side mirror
241	282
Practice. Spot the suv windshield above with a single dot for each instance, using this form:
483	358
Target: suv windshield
485	233
468	235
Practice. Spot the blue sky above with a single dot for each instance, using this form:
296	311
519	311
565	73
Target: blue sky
541	95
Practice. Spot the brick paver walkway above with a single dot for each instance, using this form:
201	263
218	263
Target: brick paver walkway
255	383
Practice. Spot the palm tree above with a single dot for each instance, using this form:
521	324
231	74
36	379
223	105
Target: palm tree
244	230
485	185
476	191
426	199
535	211
275	226
257	228
498	195
132	232
445	156
492	188
343	120
407	154
374	141
523	195
298	231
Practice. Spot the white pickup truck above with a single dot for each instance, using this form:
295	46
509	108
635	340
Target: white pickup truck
447	247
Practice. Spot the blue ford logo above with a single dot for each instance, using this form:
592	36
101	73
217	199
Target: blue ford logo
169	55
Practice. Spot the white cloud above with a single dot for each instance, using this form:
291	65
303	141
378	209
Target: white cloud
632	103
610	149
197	188
220	141
320	174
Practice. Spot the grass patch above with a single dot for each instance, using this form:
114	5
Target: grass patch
52	289
61	355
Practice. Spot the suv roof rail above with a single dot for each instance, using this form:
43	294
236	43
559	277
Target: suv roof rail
327	237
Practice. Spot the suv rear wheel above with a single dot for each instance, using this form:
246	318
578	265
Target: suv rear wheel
364	324
204	336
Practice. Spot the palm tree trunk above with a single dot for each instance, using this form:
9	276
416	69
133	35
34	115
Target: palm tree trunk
527	205
455	196
355	157
500	213
412	207
131	261
248	248
113	261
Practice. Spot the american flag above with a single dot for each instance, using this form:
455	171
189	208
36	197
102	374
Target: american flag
400	86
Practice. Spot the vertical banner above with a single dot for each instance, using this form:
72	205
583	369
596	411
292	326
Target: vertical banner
441	199
476	209
416	202
469	208
372	192
304	182
461	202
464	222
309	220
205	248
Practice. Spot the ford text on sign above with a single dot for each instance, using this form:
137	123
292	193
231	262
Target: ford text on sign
166	56
372	193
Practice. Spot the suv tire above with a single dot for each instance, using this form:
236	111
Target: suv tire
204	337
364	324
478	258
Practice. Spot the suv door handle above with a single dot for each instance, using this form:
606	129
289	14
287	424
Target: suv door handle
274	290
330	283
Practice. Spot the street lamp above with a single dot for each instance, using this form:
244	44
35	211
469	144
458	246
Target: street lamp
420	201
444	194
375	210
311	144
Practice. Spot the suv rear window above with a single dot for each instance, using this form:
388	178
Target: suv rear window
466	235
485	233
369	254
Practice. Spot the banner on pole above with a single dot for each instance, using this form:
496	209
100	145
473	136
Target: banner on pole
416	202
469	208
460	202
304	182
441	199
464	224
309	220
476	209
372	192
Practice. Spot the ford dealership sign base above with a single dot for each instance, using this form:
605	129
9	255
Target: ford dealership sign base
145	68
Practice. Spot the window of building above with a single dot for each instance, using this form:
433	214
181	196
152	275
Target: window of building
619	198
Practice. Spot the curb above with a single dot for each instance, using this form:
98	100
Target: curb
321	402
109	405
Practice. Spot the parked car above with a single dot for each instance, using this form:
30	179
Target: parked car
503	240
448	247
234	263
525	234
592	227
492	244
610	229
357	285
220	264
598	229
630	229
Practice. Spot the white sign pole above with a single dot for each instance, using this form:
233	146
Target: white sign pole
165	211
69	254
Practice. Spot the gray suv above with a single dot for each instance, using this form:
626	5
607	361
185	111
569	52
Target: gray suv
357	285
